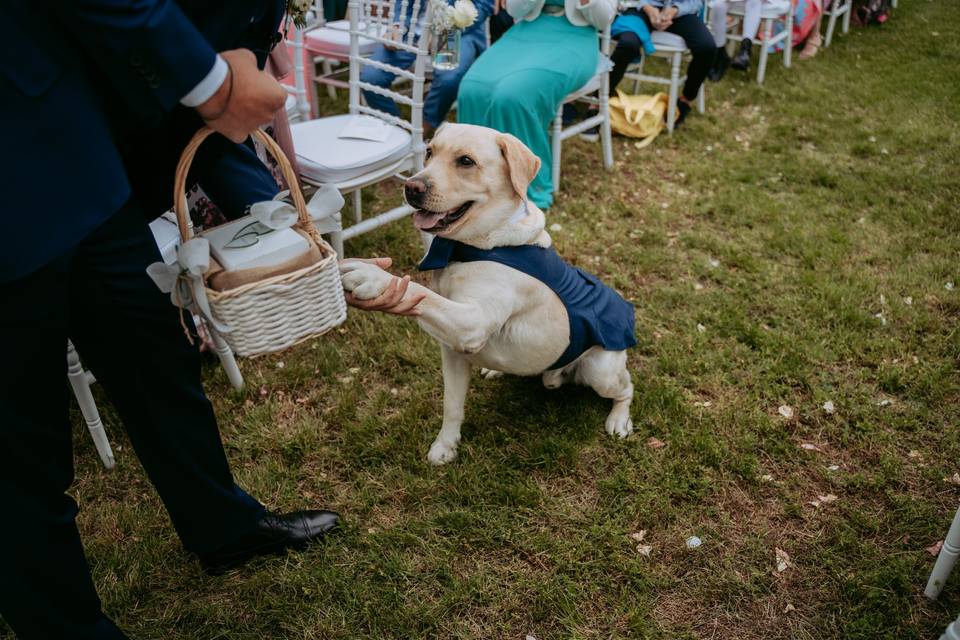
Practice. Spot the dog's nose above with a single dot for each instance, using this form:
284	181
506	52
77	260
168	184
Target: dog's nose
414	191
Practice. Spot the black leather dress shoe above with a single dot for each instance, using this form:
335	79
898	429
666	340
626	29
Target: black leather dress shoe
741	61
274	533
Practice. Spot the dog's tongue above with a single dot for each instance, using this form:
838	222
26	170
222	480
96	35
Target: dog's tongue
424	220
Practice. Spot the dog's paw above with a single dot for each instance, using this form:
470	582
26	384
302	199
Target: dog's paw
619	425
553	379
441	452
491	374
364	280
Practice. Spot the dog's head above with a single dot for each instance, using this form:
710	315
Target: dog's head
474	181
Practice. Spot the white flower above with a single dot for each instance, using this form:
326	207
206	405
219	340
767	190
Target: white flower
464	14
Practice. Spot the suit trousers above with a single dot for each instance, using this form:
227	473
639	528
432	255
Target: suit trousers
129	334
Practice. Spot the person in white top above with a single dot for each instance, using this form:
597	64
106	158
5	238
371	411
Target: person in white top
718	25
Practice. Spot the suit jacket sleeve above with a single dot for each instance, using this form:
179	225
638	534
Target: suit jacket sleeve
154	37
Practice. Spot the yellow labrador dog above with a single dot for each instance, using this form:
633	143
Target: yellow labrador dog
501	298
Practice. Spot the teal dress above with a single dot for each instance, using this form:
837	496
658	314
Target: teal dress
517	85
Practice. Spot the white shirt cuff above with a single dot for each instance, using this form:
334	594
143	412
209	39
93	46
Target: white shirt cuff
208	86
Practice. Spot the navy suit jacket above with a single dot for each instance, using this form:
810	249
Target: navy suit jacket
89	94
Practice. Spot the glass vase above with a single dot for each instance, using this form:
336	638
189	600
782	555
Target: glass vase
447	53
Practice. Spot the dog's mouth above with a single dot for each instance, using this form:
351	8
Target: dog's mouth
438	221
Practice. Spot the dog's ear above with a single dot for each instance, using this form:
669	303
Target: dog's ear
438	130
522	163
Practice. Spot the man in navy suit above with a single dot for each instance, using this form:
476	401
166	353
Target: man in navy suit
96	99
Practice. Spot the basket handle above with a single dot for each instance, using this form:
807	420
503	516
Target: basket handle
183	168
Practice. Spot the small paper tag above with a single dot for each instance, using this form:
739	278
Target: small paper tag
366	128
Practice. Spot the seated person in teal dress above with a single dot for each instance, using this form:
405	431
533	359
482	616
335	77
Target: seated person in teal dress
519	83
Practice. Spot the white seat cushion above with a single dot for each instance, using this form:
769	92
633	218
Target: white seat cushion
334	40
769	8
667	42
328	159
604	64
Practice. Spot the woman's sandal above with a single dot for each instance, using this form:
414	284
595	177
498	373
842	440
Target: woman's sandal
811	47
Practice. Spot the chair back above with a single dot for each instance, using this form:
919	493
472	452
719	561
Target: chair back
376	20
317	19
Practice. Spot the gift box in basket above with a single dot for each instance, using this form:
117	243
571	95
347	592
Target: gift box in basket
264	282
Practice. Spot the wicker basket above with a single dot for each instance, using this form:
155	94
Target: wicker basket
277	312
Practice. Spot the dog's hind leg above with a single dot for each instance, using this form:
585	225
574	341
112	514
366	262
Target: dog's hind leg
456	382
606	373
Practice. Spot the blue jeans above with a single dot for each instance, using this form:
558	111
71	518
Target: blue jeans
443	89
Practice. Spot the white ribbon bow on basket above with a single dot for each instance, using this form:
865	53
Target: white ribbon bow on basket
324	209
183	279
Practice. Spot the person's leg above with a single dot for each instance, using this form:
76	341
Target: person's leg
381	78
751	18
718	22
627	50
234	179
702	48
718	25
154	382
751	23
443	89
499	23
45	586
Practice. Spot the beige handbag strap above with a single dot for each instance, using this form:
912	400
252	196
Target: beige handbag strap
304	221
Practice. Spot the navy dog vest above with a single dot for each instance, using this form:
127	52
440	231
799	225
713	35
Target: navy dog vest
598	315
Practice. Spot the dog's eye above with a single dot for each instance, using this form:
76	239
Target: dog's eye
465	161
429	153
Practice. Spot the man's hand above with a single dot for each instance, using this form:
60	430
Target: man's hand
247	99
391	300
653	14
666	18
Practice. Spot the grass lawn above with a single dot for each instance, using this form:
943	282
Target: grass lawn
792	246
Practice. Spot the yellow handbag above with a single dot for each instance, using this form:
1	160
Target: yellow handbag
638	116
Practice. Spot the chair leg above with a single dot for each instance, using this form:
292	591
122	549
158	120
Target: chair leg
557	145
831	24
327	70
606	139
639	72
80	382
764	50
846	15
357	206
674	91
788	43
336	241
701	99
606	135
227	360
945	560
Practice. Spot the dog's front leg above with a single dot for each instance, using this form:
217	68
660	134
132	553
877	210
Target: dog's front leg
463	326
456	382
